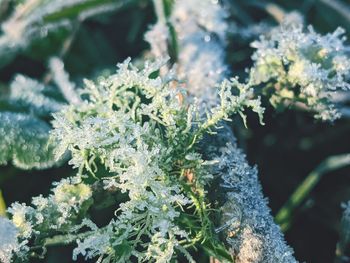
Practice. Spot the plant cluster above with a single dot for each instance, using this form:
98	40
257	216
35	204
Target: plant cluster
135	132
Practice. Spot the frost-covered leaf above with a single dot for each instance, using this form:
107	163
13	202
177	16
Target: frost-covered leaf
25	141
34	19
29	93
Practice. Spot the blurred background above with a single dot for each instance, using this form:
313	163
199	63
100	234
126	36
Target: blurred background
286	150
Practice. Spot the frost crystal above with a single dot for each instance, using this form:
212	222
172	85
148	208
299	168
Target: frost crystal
158	37
201	31
96	245
253	235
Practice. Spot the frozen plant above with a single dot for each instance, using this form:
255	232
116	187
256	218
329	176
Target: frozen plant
57	214
134	134
299	67
61	78
246	220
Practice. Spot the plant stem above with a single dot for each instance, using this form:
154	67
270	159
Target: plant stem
64	239
74	10
60	240
284	215
338	6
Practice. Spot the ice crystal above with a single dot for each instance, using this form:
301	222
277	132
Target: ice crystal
157	37
96	245
244	99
